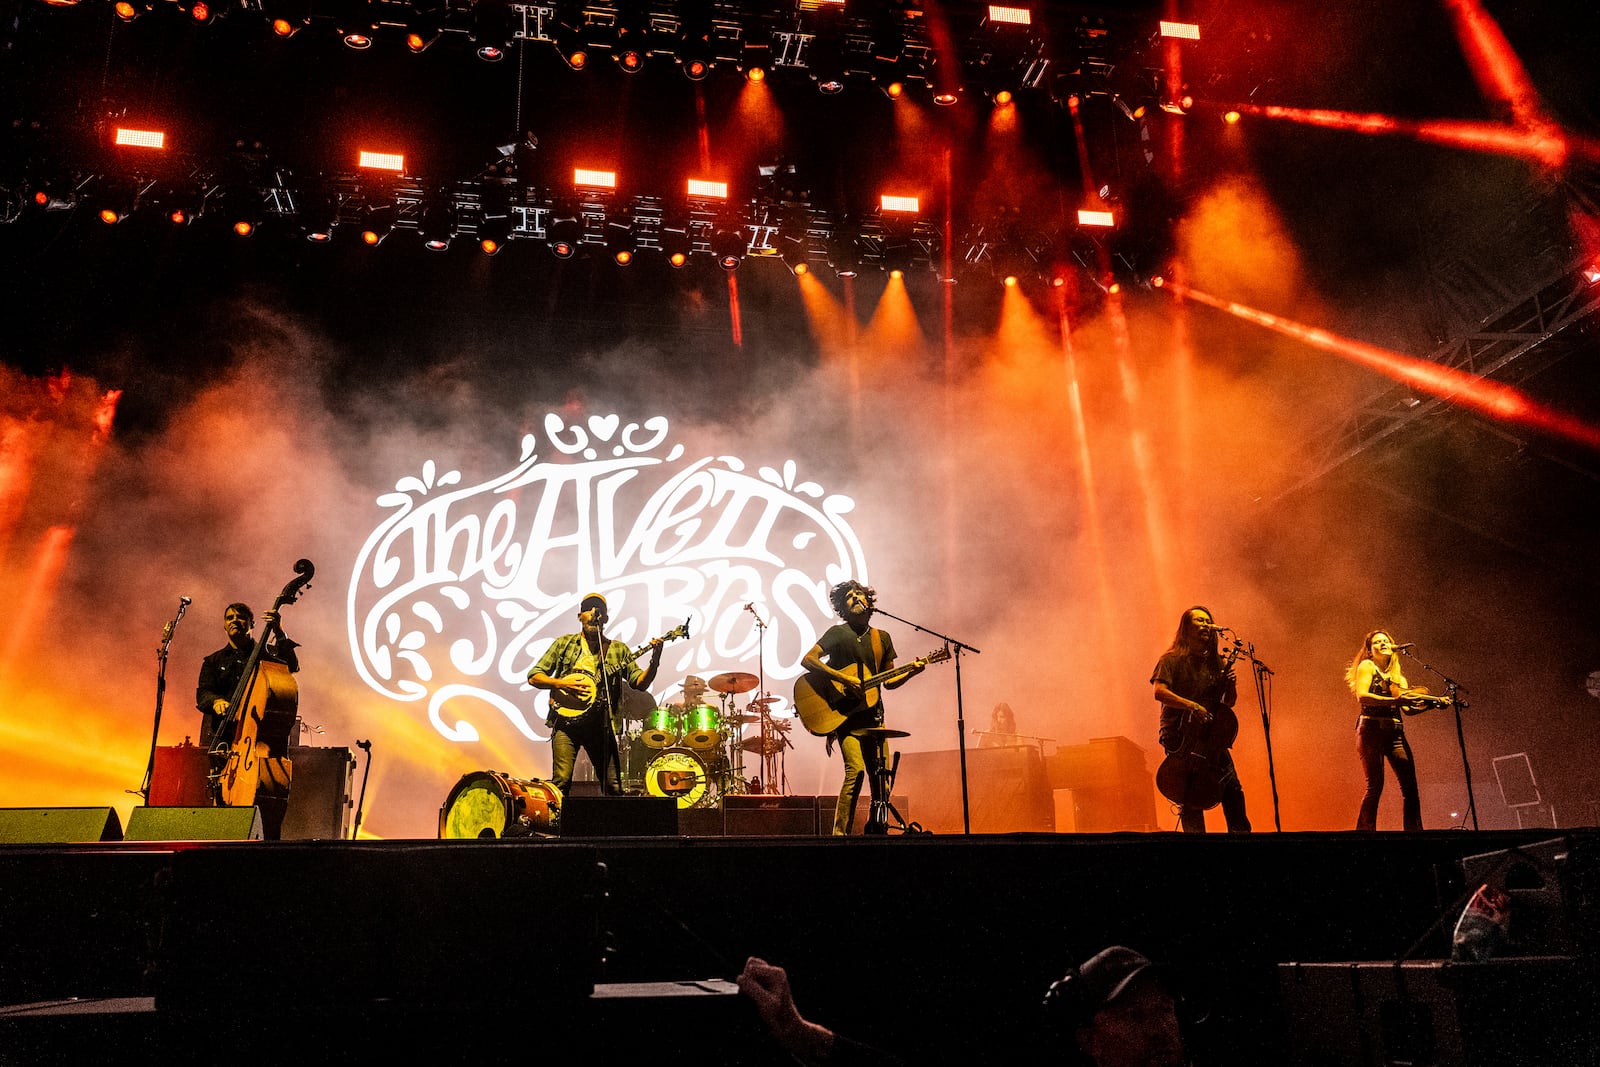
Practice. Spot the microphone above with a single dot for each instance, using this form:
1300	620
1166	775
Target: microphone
750	607
367	745
186	600
1407	647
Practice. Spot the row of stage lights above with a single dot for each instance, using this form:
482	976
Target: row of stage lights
589	221
1003	55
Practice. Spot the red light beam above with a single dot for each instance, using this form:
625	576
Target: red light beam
1495	64
1492	399
1544	144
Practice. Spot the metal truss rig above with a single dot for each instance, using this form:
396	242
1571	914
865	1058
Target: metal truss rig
1513	333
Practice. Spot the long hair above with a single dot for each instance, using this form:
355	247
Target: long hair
844	588
1181	640
1393	671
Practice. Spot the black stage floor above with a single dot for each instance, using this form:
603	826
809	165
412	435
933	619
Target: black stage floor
938	947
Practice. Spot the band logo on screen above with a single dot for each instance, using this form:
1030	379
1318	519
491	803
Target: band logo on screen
461	588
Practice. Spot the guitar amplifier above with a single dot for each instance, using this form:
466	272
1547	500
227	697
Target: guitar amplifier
179	777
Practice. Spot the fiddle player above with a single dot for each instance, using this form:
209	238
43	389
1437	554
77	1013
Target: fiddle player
583	713
1379	683
1190	675
855	644
219	678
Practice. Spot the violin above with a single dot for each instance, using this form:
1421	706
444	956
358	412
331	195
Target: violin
1191	775
264	686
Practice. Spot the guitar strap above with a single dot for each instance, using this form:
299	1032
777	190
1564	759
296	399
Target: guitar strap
876	637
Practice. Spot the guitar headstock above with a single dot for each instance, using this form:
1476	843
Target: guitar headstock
677	632
938	655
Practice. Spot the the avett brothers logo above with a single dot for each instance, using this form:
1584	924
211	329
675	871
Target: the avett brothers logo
461	590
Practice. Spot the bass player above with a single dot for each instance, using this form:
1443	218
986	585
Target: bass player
849	654
1190	676
586	674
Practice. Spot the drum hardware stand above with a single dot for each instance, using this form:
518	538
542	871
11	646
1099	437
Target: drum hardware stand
1455	690
957	648
365	746
161	692
770	774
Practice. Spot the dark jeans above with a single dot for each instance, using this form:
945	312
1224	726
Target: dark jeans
594	737
1385	739
1193	820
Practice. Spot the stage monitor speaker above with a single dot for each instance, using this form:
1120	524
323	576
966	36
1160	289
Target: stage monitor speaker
770	815
40	826
194	824
583	816
320	804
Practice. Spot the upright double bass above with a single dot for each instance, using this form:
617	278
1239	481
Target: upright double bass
265	687
1191	775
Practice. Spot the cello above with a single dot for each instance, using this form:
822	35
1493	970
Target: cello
1191	775
265	686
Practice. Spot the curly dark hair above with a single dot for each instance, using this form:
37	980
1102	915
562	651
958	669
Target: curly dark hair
845	588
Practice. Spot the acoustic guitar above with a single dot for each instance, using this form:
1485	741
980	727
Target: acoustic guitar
576	705
825	704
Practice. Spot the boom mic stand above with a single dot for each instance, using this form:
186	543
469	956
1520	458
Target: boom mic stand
1261	673
957	648
161	693
1456	690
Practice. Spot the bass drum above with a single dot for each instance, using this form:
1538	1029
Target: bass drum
682	775
494	804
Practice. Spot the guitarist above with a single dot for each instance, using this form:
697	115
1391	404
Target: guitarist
855	646
1189	676
1379	683
587	674
219	677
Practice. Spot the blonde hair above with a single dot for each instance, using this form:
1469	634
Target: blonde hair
1395	675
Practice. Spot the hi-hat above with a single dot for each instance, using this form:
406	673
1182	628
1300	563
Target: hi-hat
762	702
734	682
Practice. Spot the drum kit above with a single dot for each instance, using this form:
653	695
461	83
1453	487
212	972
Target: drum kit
692	748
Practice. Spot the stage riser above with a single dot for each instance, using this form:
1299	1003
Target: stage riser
951	936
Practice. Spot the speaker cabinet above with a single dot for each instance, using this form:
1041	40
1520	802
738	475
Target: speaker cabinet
37	826
583	816
194	824
179	778
320	802
772	816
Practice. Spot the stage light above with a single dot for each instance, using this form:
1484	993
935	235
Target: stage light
419	40
376	224
284	28
1015	16
1157	281
562	237
729	246
286	17
1231	117
569	43
631	60
319	213
357	40
1010	281
894	89
437	225
675	243
1591	273
491	53
382	161
1002	98
708	190
844	254
907	204
595	179
128	10
756	74
201	12
1096	218
695	69
112	216
244	227
946	97
1188	31
1179	105
127	138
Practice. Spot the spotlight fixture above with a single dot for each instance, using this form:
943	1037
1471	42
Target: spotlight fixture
676	245
844	253
562	237
128	10
112	216
729	246
377	224
287	17
319	214
437	224
572	47
492	30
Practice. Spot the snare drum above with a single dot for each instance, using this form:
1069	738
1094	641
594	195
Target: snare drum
494	804
682	775
701	729
662	727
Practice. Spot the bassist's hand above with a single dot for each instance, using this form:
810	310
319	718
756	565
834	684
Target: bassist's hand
219	706
1200	713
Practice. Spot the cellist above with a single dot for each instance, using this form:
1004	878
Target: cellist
1190	675
219	678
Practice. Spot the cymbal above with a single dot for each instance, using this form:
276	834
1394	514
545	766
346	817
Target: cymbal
876	732
734	682
771	747
741	717
763	702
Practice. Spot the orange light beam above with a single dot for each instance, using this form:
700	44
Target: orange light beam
1493	399
1495	64
1545	144
733	311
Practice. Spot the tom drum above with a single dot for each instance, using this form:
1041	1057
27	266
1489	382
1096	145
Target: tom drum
702	731
662	727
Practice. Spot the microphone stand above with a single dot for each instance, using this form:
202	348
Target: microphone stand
958	648
365	746
161	693
1261	673
1456	689
769	752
